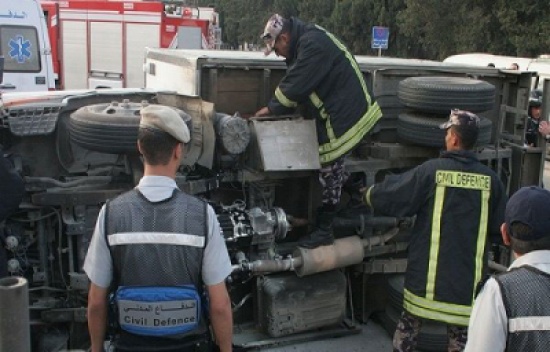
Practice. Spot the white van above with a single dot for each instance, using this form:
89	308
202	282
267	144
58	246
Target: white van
25	46
541	65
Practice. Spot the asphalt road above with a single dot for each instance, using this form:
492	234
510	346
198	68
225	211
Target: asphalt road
372	338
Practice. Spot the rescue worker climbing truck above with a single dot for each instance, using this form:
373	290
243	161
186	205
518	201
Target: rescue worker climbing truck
76	150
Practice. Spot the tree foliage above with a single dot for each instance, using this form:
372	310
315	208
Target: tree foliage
431	29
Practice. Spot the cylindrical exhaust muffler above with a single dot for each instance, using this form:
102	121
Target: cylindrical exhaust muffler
344	252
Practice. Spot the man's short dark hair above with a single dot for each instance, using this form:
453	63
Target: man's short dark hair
521	230
156	146
465	125
286	26
467	135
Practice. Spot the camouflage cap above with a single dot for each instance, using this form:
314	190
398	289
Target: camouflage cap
273	28
461	118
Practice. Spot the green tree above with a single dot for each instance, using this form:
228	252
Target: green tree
525	24
318	12
430	29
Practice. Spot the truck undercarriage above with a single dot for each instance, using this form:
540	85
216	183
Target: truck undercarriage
76	150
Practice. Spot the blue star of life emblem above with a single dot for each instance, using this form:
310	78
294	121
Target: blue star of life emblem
19	49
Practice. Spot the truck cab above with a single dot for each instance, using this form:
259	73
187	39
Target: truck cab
25	46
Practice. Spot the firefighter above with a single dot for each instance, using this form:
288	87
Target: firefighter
323	76
459	204
512	312
154	248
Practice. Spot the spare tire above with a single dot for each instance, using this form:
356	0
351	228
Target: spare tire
441	94
423	129
109	128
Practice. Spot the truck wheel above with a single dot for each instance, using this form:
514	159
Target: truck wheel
422	129
109	128
441	94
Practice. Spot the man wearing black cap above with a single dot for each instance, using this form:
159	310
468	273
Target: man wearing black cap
160	253
323	76
459	204
512	312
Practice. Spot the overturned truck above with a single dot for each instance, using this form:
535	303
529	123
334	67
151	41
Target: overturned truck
75	150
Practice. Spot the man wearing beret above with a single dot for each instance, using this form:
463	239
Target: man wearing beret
512	312
157	256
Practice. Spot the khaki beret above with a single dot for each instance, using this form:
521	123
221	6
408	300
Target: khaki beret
165	119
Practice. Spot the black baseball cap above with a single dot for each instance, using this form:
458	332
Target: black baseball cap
529	206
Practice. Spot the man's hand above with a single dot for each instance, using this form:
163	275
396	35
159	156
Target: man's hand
263	112
544	128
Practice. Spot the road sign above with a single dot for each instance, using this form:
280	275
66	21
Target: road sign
380	36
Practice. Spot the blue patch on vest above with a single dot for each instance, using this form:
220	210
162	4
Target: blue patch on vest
158	311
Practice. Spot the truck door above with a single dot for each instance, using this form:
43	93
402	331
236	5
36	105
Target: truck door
24	44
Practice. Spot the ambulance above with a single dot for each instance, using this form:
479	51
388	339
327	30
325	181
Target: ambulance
25	47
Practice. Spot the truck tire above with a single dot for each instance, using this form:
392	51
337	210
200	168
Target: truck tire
422	129
441	94
108	128
100	132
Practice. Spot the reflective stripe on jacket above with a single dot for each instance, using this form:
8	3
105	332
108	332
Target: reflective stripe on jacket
324	75
458	203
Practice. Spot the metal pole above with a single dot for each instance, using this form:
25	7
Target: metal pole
14	306
379	52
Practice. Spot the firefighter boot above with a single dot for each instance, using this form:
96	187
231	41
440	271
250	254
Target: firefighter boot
322	234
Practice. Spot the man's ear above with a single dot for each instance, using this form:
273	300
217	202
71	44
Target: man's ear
139	148
505	234
285	36
455	140
179	150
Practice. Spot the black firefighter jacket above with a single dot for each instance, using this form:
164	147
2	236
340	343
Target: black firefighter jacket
459	205
323	74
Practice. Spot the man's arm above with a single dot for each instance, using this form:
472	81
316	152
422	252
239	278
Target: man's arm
401	194
216	267
98	267
221	316
97	316
488	326
313	63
